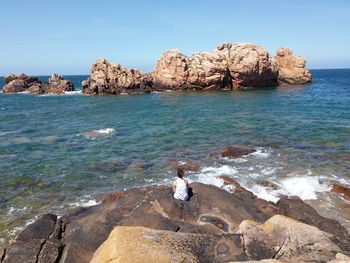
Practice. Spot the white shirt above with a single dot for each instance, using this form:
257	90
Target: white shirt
181	191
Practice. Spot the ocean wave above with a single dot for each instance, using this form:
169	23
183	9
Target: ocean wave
76	92
304	186
85	201
97	134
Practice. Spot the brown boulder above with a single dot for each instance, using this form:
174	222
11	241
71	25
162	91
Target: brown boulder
291	68
236	151
341	190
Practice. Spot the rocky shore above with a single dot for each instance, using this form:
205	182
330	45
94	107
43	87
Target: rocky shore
229	66
215	225
24	83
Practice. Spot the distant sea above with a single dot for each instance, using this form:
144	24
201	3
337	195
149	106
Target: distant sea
60	151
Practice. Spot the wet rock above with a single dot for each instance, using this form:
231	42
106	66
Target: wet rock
99	134
236	151
186	166
139	244
287	239
343	191
295	208
268	184
291	68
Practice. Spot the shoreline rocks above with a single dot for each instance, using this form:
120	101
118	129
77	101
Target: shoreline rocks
24	83
210	227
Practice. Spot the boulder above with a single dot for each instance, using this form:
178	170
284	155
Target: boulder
58	85
140	244
21	83
107	78
236	151
342	190
291	68
287	239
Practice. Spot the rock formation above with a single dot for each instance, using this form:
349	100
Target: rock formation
210	227
229	66
291	68
107	78
21	83
24	83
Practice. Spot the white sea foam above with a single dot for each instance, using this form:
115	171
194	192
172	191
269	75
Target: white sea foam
75	92
85	201
102	133
306	187
261	152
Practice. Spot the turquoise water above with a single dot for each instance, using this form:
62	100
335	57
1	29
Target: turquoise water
48	163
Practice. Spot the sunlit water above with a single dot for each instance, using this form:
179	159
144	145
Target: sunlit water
50	161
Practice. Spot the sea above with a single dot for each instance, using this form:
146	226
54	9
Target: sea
58	152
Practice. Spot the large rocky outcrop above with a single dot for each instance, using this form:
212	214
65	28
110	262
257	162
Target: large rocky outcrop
229	66
24	83
107	78
291	68
209	221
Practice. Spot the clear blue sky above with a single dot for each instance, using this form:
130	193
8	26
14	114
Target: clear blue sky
41	37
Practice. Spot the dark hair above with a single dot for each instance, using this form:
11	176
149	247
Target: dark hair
180	173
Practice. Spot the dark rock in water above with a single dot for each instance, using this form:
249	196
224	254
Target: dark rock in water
56	85
186	166
295	208
341	190
209	221
268	184
15	84
236	151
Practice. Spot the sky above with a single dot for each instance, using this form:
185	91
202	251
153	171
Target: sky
42	37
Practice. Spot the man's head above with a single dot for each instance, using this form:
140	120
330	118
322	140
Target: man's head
180	173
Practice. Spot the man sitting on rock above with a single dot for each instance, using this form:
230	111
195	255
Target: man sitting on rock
180	186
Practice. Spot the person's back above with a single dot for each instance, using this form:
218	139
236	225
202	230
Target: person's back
180	187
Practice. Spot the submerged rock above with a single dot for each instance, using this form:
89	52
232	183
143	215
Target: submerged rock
24	83
205	226
236	151
341	190
186	166
291	68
